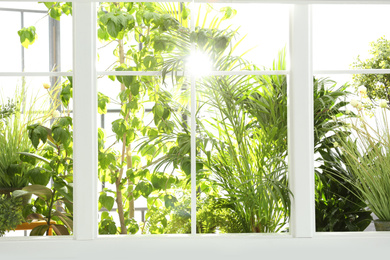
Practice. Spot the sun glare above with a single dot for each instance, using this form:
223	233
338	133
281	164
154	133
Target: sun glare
199	64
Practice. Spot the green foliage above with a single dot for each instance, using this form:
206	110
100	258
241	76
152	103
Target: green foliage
242	183
115	23
7	110
377	84
37	133
27	36
103	100
367	154
106	201
107	224
247	154
50	161
10	213
14	139
337	206
56	9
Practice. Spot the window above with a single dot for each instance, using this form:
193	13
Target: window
33	81
301	170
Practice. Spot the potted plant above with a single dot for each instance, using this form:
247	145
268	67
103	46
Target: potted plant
367	154
15	116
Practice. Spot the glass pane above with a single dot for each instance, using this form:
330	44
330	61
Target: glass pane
342	33
144	160
242	155
144	163
351	140
228	32
223	32
46	41
36	158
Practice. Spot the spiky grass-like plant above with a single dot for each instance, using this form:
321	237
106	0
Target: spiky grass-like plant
14	136
367	152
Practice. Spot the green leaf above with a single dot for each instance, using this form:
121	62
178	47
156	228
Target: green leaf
19	193
61	135
66	94
64	191
36	133
130	175
64	122
55	13
159	181
28	159
112	29
103	100
150	62
101	138
39	176
149	17
60	230
103	35
221	43
169	201
145	188
34	156
40	191
186	166
106	201
126	80
39	230
134	88
106	159
27	36
158	110
119	128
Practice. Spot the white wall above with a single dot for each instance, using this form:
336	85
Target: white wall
322	246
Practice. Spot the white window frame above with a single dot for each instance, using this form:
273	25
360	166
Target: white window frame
302	242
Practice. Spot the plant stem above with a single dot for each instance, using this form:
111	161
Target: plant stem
118	185
50	208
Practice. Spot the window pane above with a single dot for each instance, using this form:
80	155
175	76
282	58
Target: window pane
47	42
349	129
222	32
341	33
144	161
36	159
253	32
242	155
144	158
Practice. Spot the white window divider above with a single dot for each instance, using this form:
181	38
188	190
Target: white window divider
85	122
300	123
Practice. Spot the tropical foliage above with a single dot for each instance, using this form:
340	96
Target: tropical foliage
241	134
377	85
367	154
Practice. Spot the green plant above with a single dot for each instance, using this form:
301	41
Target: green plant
245	147
337	207
57	167
10	213
377	84
14	137
367	153
7	110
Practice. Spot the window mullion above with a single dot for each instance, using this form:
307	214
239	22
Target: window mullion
85	121
193	133
300	123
